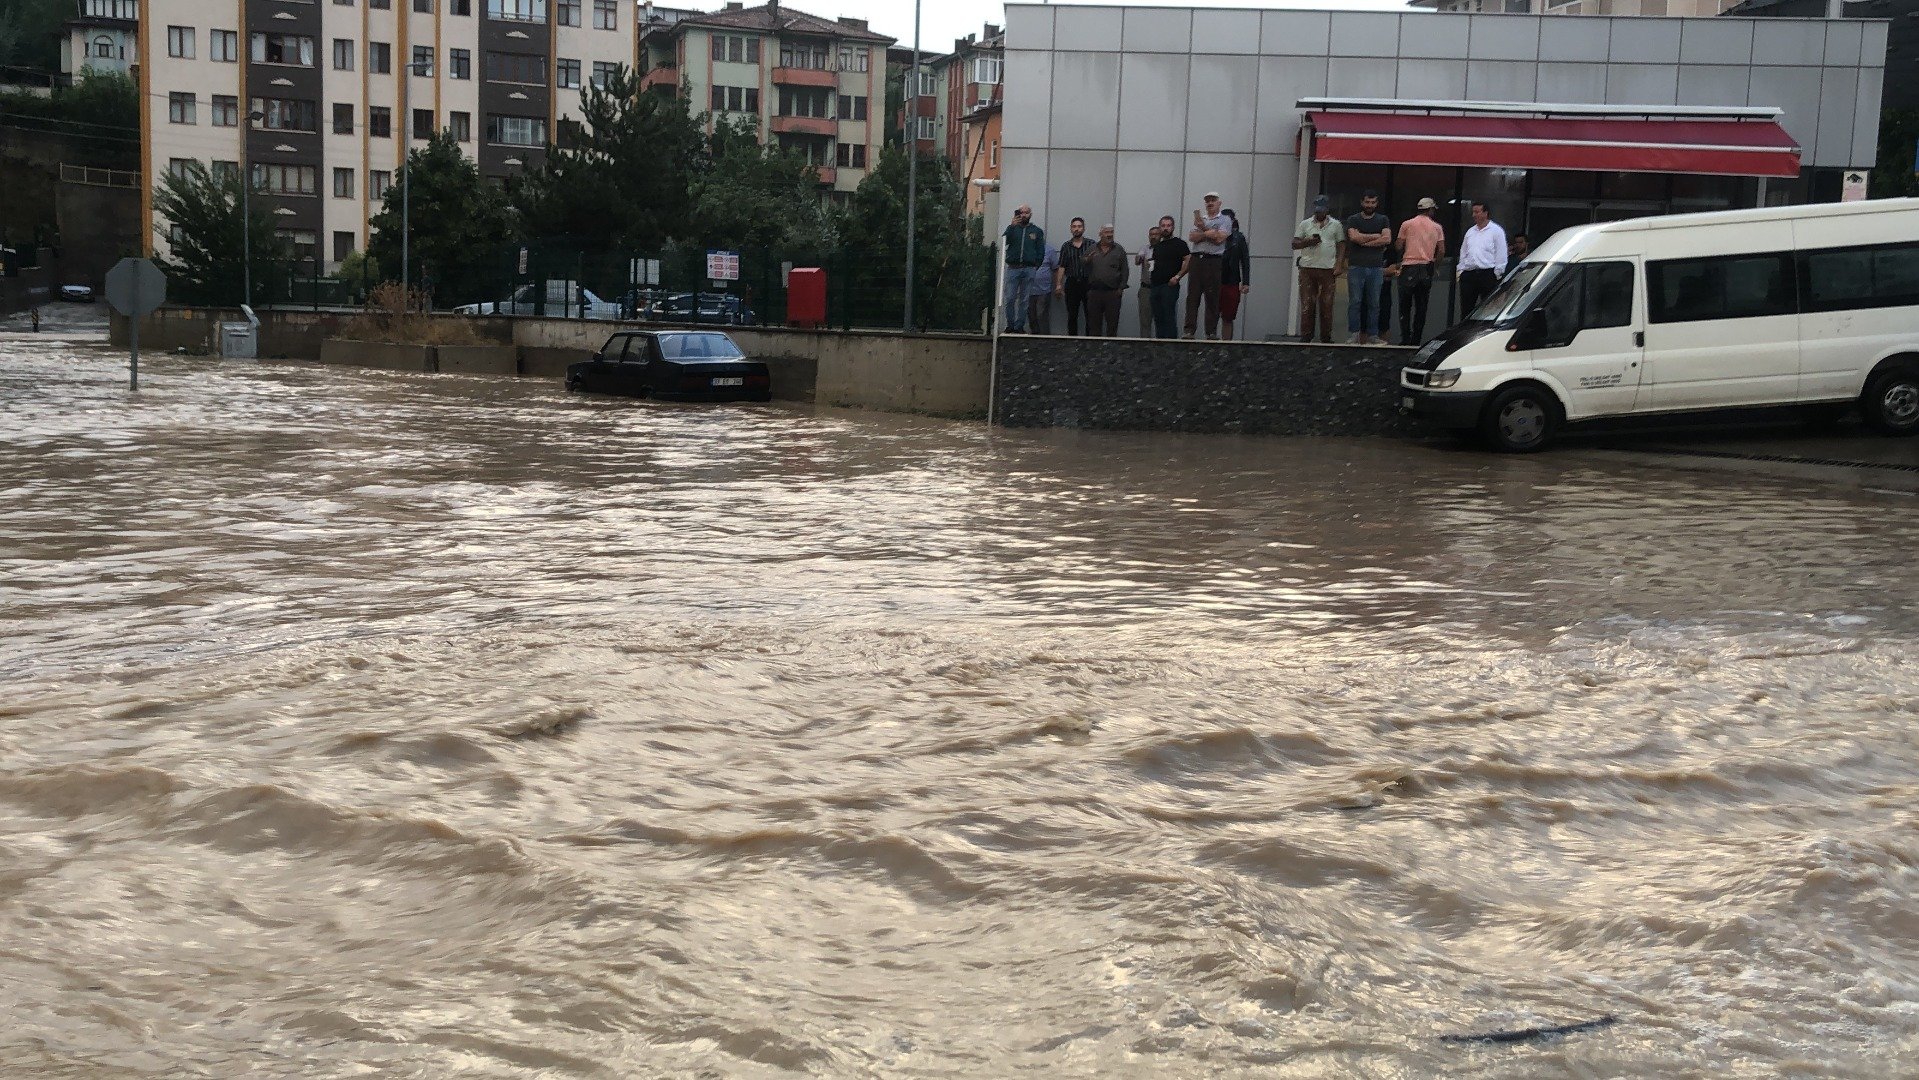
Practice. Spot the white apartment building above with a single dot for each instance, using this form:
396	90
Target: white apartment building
815	86
322	99
104	37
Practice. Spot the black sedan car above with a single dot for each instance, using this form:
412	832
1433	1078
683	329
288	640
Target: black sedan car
681	365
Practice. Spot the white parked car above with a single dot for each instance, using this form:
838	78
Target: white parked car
1809	306
78	294
526	301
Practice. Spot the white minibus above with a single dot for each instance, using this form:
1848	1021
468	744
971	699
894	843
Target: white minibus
1809	306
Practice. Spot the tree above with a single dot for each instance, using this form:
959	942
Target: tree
207	263
30	33
457	225
1893	177
620	180
954	279
749	195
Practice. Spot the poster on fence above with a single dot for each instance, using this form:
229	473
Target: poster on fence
723	265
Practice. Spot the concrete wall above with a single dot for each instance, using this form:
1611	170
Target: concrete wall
378	354
1239	387
477	359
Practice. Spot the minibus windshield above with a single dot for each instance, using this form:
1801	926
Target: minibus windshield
1519	292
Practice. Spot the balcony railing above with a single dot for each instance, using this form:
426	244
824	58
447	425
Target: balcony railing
805	125
665	75
828	175
793	76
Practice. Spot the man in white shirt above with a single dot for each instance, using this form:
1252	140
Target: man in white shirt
1482	259
1208	240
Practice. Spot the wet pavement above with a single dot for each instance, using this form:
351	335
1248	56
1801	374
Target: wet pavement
371	723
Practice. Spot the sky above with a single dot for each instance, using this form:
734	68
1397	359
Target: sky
944	21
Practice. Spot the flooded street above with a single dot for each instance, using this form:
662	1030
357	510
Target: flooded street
359	723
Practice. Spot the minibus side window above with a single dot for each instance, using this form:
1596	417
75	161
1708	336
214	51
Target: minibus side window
1855	278
1608	295
1722	287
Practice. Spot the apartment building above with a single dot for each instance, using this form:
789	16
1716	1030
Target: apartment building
1672	8
814	86
322	100
104	37
974	78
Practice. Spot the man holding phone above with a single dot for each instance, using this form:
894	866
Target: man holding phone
1208	242
1320	241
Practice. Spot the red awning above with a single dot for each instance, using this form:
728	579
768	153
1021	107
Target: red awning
1715	147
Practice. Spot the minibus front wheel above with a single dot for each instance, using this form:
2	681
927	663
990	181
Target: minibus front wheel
1891	401
1521	419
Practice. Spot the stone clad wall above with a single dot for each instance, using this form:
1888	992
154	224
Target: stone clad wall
1239	387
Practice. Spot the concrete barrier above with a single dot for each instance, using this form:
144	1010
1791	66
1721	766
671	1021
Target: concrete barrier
1241	387
383	355
542	362
478	359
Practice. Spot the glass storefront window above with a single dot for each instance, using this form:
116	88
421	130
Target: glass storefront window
1559	184
1633	186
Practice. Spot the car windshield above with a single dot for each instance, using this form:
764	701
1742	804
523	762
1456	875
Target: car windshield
1515	295
699	347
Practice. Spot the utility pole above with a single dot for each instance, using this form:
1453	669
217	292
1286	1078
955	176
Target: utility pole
246	212
912	167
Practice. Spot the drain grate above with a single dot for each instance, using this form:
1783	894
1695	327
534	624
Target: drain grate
1784	459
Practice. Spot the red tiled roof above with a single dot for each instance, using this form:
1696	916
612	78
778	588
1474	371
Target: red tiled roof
771	20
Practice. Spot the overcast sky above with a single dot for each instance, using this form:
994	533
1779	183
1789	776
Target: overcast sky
944	21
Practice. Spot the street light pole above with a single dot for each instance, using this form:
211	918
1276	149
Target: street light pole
912	168
246	212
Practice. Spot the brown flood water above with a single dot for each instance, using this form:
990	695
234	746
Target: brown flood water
373	724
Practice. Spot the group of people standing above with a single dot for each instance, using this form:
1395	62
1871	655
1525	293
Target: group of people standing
1367	250
1213	262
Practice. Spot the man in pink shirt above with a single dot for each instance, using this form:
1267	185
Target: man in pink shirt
1422	242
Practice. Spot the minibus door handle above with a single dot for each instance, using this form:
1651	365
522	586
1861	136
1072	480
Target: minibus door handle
1638	339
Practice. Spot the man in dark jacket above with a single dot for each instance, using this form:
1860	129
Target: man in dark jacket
1235	276
1107	274
1025	251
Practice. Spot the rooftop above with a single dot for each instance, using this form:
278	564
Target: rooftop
776	18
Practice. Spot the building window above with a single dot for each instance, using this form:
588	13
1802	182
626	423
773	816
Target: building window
852	108
855	59
569	74
225	171
226	110
459	7
603	73
528	68
423	123
929	83
992	154
342	245
460	126
424	7
379	58
569	12
292	50
343	183
180	42
305	243
103	47
803	56
423	61
852	155
924	127
736	99
343	54
606	14
124	10
223	46
736	49
379	121
182	108
516	130
379	5
459	63
804	102
378	183
282	114
344	3
177	167
987	70
275	179
342	118
516	10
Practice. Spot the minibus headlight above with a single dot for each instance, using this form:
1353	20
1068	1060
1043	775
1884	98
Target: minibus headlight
1441	379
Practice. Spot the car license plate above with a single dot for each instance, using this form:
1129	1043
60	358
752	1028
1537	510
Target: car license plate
1406	402
729	382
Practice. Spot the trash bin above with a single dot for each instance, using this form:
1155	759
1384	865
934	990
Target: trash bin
240	340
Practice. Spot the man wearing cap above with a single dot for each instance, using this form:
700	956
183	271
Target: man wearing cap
1107	275
1025	251
1320	241
1208	240
1421	243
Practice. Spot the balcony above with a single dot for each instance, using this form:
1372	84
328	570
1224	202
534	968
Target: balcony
805	125
792	76
828	175
665	75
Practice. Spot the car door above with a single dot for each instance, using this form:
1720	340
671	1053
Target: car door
1722	330
1592	341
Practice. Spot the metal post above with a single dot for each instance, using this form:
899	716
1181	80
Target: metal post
246	211
912	170
133	370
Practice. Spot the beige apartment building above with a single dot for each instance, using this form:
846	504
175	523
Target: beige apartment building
814	86
322	100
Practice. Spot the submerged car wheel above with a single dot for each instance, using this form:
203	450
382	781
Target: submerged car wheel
572	383
1520	420
1891	401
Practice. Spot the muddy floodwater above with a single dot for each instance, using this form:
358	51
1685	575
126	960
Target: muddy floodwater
368	724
